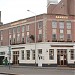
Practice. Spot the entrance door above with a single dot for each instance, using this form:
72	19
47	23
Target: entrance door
40	61
1	60
62	57
16	57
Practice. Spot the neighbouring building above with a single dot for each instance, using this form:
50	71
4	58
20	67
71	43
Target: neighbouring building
54	44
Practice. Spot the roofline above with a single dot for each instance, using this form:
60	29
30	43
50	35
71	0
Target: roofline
24	19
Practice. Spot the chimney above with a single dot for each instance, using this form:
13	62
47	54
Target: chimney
0	19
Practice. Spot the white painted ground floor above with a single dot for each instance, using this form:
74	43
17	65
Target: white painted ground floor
40	54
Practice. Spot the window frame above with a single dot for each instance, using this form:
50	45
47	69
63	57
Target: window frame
22	55
51	54
27	55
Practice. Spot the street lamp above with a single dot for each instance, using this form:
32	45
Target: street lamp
9	55
35	33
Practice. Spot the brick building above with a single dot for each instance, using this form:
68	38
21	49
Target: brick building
55	38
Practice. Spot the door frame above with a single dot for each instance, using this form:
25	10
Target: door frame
62	57
40	60
15	57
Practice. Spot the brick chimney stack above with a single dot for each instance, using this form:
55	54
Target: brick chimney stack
0	19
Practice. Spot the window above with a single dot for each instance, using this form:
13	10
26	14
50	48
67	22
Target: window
61	25
18	29
39	51
40	24
28	54
72	54
33	54
51	54
27	27
68	36
27	39
40	31
1	35
68	25
10	31
14	30
14	41
14	38
22	53
40	37
18	38
2	53
53	31
54	24
10	42
22	37
68	31
53	36
61	36
61	31
23	28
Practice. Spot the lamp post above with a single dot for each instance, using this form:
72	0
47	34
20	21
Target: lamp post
9	47
35	32
9	55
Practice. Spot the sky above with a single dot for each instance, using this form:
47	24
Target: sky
13	10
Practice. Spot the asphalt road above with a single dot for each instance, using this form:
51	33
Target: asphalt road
36	71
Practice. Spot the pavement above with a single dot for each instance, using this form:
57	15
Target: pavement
34	67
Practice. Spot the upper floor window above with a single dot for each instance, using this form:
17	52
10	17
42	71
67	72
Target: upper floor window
68	25
68	37
1	32
40	37
27	27
10	31
18	38
23	28
1	35
40	24
68	31
61	25
18	29
61	36
53	31
54	24
14	30
54	37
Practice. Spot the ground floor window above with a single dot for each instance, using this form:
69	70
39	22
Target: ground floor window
33	54
28	54
39	51
22	53
51	54
72	54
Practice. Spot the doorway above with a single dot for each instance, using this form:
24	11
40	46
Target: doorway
15	57
62	57
1	60
40	59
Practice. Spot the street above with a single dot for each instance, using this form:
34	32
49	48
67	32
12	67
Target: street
36	71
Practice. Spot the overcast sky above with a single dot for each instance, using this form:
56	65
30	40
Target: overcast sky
13	10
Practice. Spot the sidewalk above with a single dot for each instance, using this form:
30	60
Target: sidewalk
36	67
